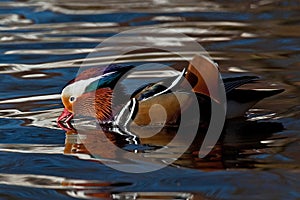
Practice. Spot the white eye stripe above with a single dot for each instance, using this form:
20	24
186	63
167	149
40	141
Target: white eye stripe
77	88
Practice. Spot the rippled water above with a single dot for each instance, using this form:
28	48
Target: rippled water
44	42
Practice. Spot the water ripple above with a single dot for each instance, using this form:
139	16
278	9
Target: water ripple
44	42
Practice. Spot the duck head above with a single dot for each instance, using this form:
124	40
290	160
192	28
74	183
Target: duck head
91	96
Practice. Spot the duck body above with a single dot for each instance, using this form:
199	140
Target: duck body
161	102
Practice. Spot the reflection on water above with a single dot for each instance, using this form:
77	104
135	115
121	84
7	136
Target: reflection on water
44	42
242	145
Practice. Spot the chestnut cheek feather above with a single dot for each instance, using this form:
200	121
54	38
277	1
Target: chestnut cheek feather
95	104
67	104
103	104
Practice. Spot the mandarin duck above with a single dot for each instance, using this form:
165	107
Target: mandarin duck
91	94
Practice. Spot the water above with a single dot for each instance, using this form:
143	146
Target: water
42	46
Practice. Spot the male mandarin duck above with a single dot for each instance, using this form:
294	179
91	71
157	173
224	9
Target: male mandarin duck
91	94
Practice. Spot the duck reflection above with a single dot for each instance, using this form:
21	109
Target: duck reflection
240	139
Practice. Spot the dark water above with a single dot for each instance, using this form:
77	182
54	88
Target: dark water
42	46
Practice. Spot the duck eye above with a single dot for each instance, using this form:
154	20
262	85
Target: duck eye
72	99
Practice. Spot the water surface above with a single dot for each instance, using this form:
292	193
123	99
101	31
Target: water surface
44	42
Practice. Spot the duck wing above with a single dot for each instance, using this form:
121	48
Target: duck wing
155	89
235	82
148	90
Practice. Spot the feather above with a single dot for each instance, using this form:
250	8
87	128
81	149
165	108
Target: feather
109	79
155	89
235	82
117	68
203	73
244	96
95	104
